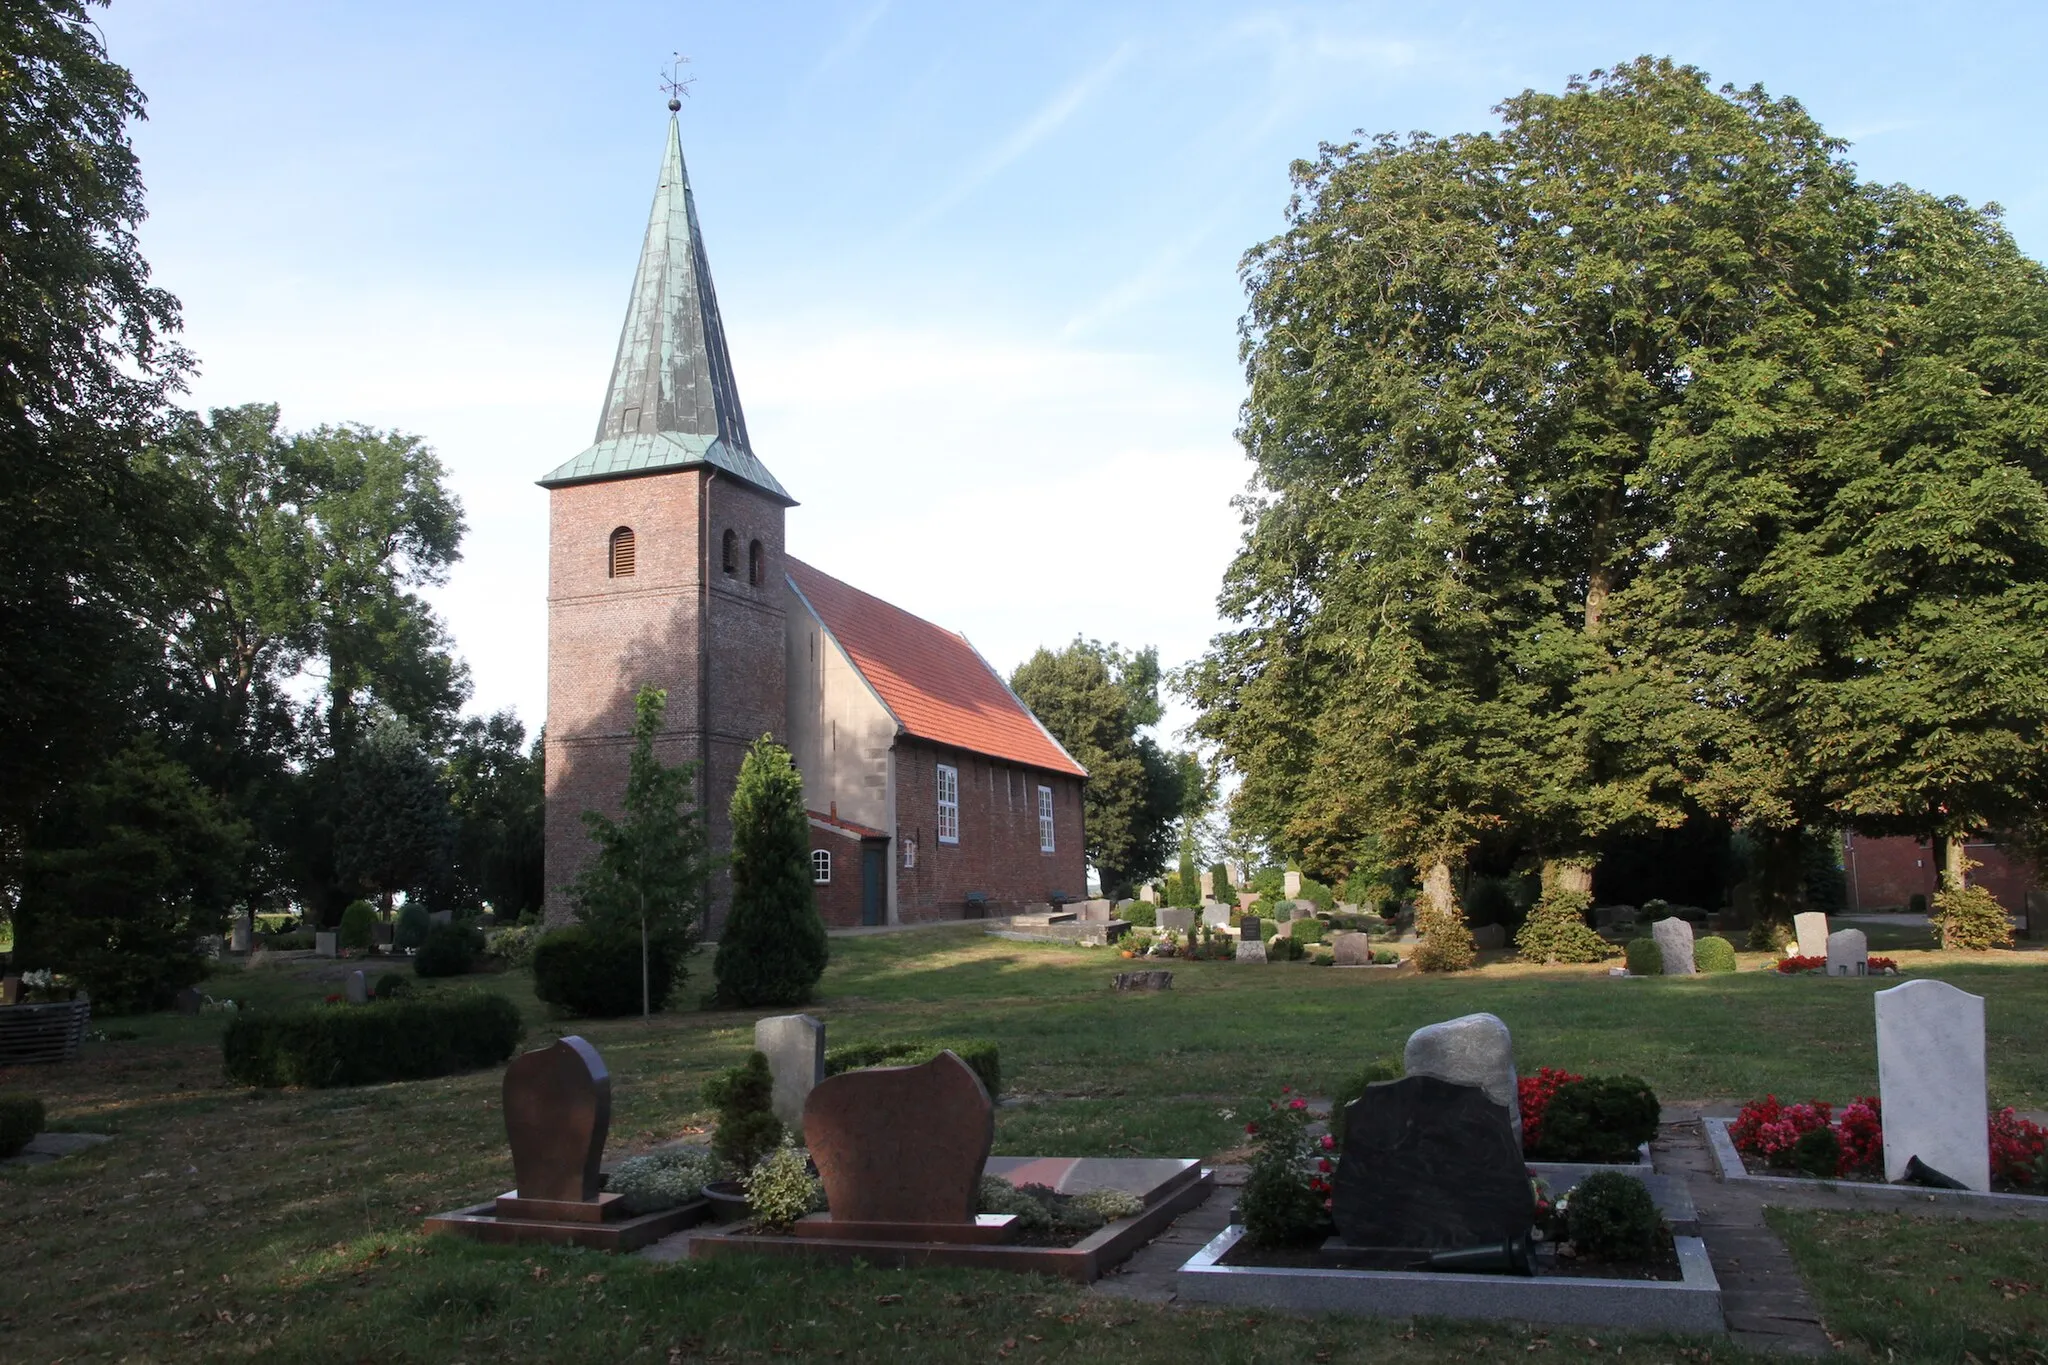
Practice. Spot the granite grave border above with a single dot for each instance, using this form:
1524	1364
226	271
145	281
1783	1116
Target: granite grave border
1729	1168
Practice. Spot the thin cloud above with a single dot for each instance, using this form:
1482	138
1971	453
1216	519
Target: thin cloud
850	41
1036	129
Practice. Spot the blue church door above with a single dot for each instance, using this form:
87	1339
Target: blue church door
874	883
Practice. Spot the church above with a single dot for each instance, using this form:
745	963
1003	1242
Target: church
933	792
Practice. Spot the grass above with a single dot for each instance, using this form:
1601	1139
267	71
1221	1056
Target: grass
225	1223
1900	1287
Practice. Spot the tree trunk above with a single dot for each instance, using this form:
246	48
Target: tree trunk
1954	863
1436	888
1568	874
1780	887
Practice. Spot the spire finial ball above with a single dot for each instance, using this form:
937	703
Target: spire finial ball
674	105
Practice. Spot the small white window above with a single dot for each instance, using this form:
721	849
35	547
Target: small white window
910	853
1045	819
821	866
949	805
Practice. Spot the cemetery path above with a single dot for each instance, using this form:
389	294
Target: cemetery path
1148	1276
1763	1298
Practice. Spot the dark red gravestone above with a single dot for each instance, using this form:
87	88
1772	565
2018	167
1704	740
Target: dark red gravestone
558	1107
902	1144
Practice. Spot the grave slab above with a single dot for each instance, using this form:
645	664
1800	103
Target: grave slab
1251	949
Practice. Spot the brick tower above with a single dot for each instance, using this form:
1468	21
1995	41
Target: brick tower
665	558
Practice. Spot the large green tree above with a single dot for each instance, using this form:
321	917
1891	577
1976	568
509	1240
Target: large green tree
772	949
498	785
1096	699
85	368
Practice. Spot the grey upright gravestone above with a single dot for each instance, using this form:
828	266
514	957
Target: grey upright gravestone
1930	1079
358	989
1473	1049
795	1047
1848	953
1674	941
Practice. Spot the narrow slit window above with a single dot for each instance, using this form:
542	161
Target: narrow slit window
949	805
1045	820
757	564
821	866
730	557
622	553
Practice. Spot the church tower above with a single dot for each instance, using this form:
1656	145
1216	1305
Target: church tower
665	558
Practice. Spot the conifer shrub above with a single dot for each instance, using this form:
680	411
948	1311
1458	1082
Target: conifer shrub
1307	931
411	929
1600	1118
1610	1216
387	1040
449	950
1446	942
1644	957
981	1056
1556	929
1318	895
1219	880
595	973
1713	954
773	949
392	986
21	1118
1970	917
358	925
1140	913
747	1127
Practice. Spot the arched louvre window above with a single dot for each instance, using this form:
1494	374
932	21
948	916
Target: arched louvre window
729	558
622	553
757	564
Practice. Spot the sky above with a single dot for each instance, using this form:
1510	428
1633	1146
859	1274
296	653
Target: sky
977	263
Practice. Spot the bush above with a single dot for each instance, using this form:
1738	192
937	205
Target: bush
392	986
1318	895
1601	1118
773	948
358	925
1818	1153
395	1040
1970	917
1307	931
997	1195
21	1118
514	946
1282	1203
1712	954
747	1127
662	1180
780	1189
1610	1216
450	950
1533	1095
1384	957
1219	882
1645	958
1282	949
292	940
596	975
1556	930
980	1055
1446	943
1384	1069
411	929
1141	913
1269	881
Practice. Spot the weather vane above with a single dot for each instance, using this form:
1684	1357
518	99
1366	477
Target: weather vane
675	84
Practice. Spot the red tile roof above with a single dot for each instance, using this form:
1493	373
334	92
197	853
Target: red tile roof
831	821
934	682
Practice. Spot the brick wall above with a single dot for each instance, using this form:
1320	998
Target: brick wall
1885	873
839	899
998	850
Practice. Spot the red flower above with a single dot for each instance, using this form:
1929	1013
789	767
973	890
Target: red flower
1297	1104
1535	1093
1287	1090
1329	1143
2016	1144
1252	1129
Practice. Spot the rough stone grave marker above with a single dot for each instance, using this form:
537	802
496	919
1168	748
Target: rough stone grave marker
1473	1049
1143	981
1930	1078
795	1047
1353	949
1176	917
1848	953
1431	1165
1674	942
358	989
1811	927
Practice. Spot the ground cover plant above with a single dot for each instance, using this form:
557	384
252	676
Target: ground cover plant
309	1201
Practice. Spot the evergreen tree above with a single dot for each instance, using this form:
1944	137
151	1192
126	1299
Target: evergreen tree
393	826
648	874
1556	930
1446	943
773	948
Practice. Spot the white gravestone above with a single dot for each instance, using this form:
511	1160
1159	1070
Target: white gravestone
1290	884
1848	953
1147	894
241	940
795	1047
1930	1078
1353	949
1473	1049
1215	914
1251	949
1674	941
1208	884
358	989
1812	929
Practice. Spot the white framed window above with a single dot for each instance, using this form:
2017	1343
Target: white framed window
910	853
949	805
821	866
1045	820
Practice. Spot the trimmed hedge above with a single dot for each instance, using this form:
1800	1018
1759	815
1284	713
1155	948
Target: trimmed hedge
1599	1118
1713	954
1645	958
449	950
1141	913
597	975
978	1053
1307	931
388	1040
21	1118
358	925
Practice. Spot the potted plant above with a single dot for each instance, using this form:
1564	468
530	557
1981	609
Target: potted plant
747	1131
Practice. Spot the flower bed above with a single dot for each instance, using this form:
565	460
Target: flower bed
1795	965
1812	1141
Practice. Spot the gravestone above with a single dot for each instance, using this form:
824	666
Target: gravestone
1473	1049
1091	911
440	917
1178	918
1489	936
1848	953
1353	949
1246	899
241	938
1251	948
1148	894
1812	928
10	990
558	1109
1207	881
1930	1079
795	1047
1614	917
1215	914
326	943
1674	941
358	989
1290	884
189	1000
1430	1165
902	1144
1143	981
1117	911
1248	929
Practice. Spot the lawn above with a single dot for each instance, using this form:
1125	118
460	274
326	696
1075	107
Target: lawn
225	1223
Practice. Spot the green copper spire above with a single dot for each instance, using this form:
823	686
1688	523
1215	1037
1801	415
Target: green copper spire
672	403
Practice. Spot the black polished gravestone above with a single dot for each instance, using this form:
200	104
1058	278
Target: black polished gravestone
1430	1165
